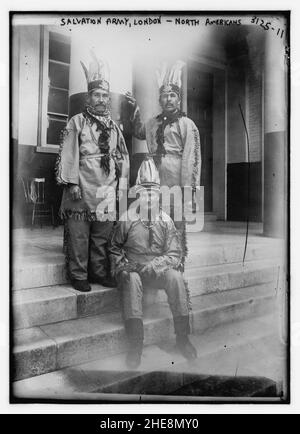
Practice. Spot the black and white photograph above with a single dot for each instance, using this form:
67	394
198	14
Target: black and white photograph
149	217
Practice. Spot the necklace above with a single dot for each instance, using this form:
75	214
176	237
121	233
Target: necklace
150	225
150	231
146	225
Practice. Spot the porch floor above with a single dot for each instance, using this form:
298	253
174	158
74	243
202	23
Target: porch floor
44	245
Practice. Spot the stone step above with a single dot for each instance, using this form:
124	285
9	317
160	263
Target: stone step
34	272
210	217
51	304
38	306
38	350
224	277
233	349
43	263
227	254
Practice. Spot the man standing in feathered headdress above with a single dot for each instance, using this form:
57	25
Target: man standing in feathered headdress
172	138
146	251
92	160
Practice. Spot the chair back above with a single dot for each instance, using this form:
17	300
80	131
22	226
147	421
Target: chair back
26	189
34	190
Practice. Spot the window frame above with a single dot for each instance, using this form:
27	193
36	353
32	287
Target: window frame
42	145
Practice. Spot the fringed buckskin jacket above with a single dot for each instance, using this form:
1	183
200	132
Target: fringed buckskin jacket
93	155
158	248
133	242
174	141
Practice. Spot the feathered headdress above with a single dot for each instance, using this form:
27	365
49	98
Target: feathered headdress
97	76
169	78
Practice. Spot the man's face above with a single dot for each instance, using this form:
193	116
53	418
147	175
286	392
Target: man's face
99	100
169	101
149	201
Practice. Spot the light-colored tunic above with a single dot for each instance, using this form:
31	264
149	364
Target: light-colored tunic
79	163
182	163
130	243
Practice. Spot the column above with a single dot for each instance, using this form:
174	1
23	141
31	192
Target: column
275	137
145	90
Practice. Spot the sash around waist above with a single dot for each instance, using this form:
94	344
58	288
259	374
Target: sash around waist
167	154
89	156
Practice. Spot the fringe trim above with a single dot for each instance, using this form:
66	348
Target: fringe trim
197	149
188	294
57	169
86	215
66	250
191	322
189	305
160	272
184	241
181	233
83	215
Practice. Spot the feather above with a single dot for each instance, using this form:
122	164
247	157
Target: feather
98	69
166	79
179	67
95	62
171	77
158	78
161	74
106	71
175	77
86	73
93	70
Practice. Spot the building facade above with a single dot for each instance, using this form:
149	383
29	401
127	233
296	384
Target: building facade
234	89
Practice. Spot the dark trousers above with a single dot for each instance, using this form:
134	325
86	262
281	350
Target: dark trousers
87	248
132	293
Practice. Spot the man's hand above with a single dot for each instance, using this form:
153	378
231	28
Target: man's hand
146	270
75	192
131	100
128	267
122	276
123	271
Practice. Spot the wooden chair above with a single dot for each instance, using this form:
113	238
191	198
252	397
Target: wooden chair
34	193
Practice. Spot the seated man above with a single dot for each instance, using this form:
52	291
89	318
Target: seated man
146	252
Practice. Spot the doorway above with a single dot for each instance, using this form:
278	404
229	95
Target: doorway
199	109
